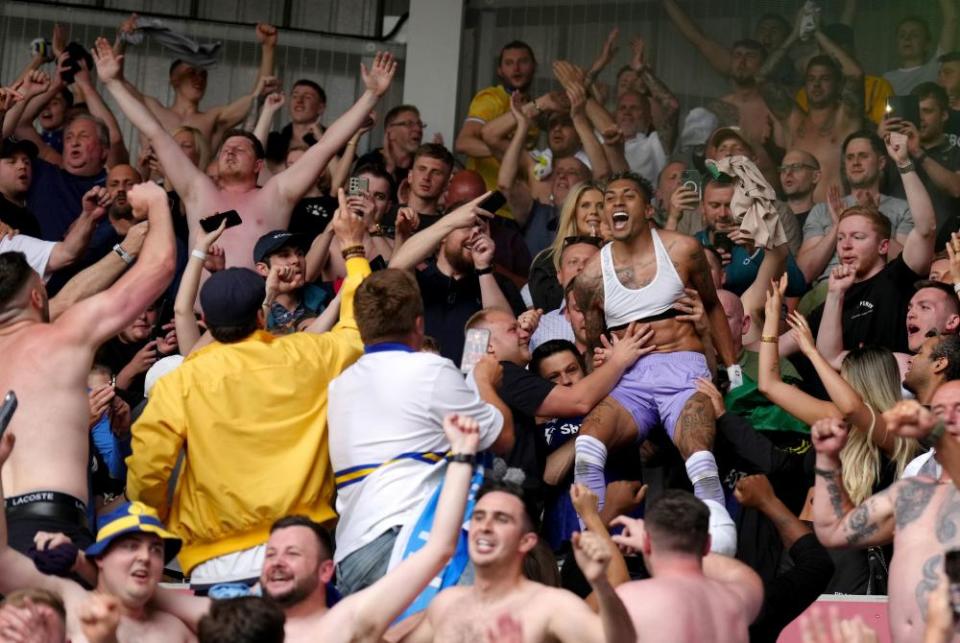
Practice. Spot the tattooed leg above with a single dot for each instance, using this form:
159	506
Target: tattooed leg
608	426
693	436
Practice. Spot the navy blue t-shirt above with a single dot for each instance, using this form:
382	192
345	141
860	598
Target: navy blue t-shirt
55	197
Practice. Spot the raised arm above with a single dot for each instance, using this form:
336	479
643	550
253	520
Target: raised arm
424	243
184	318
918	248
75	242
950	19
771	268
804	407
118	150
837	523
95	320
229	115
183	175
517	191
851	96
586	503
375	608
271	106
291	184
581	123
669	105
594	552
717	55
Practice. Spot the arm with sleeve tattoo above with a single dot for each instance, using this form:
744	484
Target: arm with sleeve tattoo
667	128
588	291
701	280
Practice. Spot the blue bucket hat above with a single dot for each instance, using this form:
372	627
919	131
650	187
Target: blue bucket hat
132	518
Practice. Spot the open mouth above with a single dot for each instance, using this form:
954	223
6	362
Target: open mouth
620	220
483	546
913	329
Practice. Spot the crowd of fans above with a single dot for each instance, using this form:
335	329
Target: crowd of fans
597	373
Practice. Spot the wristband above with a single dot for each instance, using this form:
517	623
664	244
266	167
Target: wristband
906	168
466	458
931	440
769	339
199	254
123	254
484	271
356	248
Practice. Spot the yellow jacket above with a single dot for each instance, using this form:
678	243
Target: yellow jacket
252	420
876	91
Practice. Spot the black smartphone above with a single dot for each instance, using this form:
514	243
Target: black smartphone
493	202
951	567
212	222
75	53
691	179
904	107
6	410
164	315
722	242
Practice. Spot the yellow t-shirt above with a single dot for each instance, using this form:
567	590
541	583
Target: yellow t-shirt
876	90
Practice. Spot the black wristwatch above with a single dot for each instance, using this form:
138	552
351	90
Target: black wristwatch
466	458
484	271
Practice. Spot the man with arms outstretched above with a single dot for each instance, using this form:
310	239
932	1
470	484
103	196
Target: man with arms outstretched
240	161
47	364
638	278
920	515
709	597
502	533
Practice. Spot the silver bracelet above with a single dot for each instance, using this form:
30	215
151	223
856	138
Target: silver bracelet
123	254
199	254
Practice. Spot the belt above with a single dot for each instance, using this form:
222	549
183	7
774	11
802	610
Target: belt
47	504
667	314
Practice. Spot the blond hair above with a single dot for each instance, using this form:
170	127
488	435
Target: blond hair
567	226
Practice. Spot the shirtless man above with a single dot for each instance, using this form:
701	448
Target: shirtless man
240	161
129	555
835	94
501	535
709	597
919	515
299	565
638	278
47	364
189	84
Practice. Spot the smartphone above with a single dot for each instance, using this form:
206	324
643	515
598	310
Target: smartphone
358	185
691	179
474	348
905	107
951	567
493	202
722	242
212	222
9	406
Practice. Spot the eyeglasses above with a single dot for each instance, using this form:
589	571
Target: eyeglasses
795	167
419	124
582	238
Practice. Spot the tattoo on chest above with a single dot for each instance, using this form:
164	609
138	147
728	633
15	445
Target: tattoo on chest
929	582
861	526
948	516
912	501
833	490
628	275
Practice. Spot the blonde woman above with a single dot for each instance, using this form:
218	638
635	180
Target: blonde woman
868	385
580	216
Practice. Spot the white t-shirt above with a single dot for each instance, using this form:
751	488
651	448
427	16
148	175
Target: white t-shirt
905	79
645	155
36	250
387	404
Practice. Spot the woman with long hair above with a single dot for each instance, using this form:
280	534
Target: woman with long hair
580	216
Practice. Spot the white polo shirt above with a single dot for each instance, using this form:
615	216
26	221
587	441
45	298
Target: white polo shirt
389	408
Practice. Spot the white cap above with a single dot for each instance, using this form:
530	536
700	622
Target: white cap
158	370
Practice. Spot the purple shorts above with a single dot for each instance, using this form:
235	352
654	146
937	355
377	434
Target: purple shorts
655	389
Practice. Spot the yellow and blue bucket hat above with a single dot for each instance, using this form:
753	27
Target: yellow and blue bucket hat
132	518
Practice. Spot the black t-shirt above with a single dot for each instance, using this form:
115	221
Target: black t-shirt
116	354
19	218
524	392
375	157
952	129
448	304
875	310
311	215
946	207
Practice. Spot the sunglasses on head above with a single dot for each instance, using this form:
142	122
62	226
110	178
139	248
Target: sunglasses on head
583	238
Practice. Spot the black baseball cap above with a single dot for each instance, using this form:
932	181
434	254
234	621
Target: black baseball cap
232	297
9	147
273	241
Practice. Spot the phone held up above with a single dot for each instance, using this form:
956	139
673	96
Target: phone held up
474	348
212	222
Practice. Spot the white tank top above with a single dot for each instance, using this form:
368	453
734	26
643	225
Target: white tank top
622	305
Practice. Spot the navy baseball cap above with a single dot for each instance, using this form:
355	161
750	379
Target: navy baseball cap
273	241
232	297
9	147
